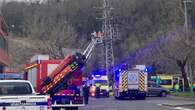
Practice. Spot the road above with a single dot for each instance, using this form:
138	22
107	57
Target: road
151	103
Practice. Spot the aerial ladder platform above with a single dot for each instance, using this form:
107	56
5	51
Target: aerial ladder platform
71	63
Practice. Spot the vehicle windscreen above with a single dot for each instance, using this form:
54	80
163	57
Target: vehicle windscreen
102	82
15	88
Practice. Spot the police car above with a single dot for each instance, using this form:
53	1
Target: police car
20	95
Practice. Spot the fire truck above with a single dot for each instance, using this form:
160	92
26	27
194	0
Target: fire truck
130	83
61	79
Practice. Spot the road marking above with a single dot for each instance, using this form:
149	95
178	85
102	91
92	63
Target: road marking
94	106
167	107
182	108
159	104
176	108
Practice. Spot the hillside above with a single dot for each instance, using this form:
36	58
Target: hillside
21	50
70	23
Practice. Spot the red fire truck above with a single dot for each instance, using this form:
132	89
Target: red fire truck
61	79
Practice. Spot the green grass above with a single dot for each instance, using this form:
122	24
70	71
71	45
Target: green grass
184	94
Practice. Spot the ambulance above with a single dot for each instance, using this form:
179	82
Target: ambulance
131	83
102	82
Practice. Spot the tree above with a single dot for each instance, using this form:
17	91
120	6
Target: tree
139	23
170	48
51	29
14	15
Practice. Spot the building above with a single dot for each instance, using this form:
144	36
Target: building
4	57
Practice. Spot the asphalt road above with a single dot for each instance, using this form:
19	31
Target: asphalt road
151	103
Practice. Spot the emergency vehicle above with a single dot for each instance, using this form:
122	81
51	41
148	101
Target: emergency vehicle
131	83
102	82
168	81
193	87
4	76
165	81
20	95
61	79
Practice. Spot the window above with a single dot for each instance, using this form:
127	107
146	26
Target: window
153	84
102	82
32	76
15	88
3	43
166	82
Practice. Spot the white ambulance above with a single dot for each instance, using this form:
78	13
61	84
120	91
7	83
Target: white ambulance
130	84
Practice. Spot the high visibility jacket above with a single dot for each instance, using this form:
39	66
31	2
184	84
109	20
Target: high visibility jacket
97	84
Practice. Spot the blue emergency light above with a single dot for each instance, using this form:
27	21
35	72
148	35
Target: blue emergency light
146	69
149	69
99	72
97	76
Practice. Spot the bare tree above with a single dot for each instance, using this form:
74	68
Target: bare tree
169	48
51	29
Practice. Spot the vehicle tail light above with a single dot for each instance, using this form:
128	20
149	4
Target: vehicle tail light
4	108
93	89
49	103
93	94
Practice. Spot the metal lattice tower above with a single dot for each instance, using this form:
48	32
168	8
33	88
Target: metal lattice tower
99	54
108	31
104	50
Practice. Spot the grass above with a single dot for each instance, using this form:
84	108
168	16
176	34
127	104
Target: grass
184	94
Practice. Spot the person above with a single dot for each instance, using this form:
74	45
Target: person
97	91
176	87
86	93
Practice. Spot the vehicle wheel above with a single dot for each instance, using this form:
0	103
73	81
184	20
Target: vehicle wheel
163	94
72	108
143	98
119	98
116	97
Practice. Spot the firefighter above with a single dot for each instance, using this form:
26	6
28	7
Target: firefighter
97	92
86	93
